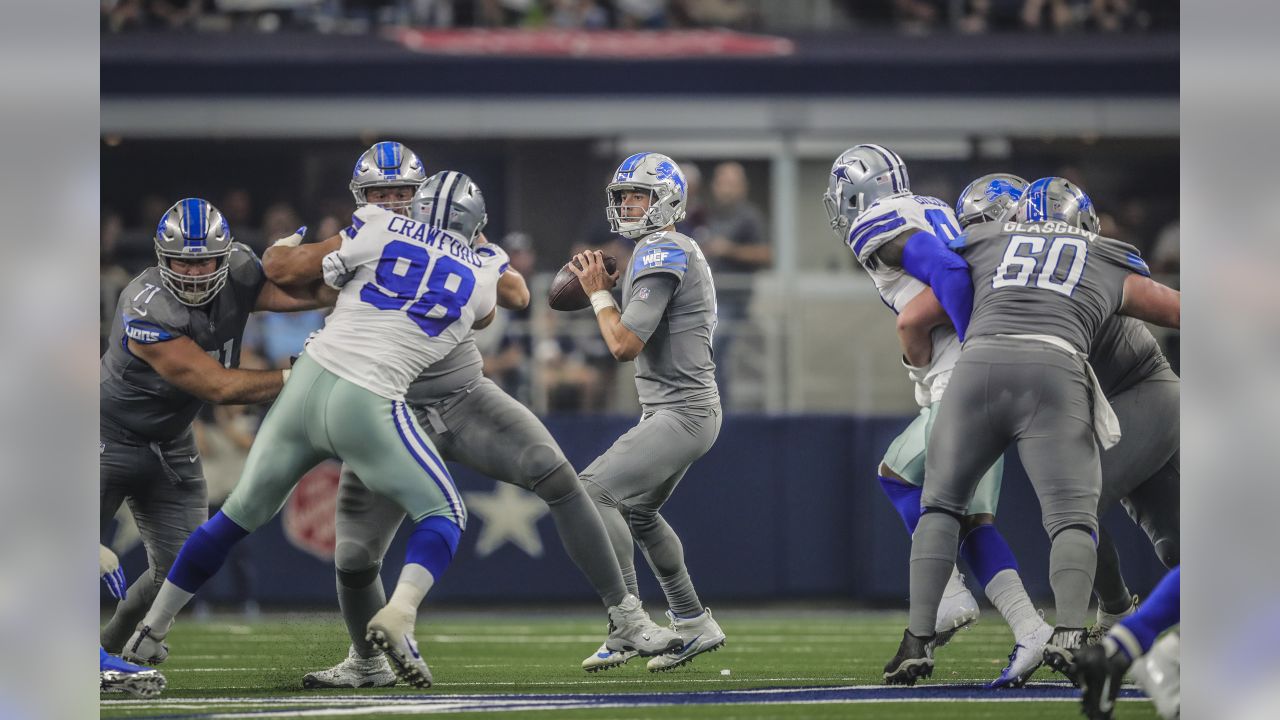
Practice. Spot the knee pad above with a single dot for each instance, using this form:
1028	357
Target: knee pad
959	516
559	485
537	462
359	578
1086	529
355	557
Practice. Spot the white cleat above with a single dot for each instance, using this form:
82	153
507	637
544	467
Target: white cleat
146	646
702	634
958	610
391	631
632	630
1026	658
353	672
1107	620
604	658
1159	674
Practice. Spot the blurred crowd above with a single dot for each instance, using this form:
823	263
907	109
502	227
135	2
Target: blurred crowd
906	16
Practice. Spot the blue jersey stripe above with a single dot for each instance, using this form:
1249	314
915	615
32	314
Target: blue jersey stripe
875	231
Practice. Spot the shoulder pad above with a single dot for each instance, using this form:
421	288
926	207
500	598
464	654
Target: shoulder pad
150	313
490	254
1122	254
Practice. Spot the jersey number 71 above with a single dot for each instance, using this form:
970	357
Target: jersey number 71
398	279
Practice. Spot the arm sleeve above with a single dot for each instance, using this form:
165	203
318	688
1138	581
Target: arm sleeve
247	275
650	296
925	258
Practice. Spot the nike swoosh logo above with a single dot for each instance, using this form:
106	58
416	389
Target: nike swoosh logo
141	312
689	644
1104	702
194	458
413	647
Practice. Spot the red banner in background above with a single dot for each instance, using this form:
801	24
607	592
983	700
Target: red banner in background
310	512
593	43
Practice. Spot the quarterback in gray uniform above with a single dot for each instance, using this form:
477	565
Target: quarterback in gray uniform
666	324
1044	284
470	420
175	345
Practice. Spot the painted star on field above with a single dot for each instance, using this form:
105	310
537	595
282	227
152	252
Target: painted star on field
508	514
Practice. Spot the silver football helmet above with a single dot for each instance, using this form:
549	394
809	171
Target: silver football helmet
989	198
450	200
194	231
1055	198
386	164
668	194
862	175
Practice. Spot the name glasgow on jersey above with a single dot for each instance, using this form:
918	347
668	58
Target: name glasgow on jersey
1054	227
425	234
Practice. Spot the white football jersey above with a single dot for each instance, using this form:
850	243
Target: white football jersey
878	224
414	293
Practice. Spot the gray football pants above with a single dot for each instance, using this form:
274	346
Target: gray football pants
168	499
1148	414
492	433
635	476
1004	390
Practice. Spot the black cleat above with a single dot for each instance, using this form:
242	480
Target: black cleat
1060	651
913	661
1099	671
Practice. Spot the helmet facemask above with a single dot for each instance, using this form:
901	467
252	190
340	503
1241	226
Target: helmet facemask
664	203
193	290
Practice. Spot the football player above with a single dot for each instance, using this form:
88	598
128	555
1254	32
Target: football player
409	294
175	345
470	420
1144	392
899	239
1044	284
665	325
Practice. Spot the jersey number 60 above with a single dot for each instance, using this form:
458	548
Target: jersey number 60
1016	269
399	277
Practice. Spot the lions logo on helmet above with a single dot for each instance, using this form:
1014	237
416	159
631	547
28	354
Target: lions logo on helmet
386	164
657	175
1056	198
989	198
862	175
452	201
193	231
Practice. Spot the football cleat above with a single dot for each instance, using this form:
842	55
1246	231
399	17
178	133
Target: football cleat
353	672
631	629
1107	620
1159	674
703	633
913	661
958	610
1026	658
1059	652
118	675
604	658
391	631
146	646
1098	670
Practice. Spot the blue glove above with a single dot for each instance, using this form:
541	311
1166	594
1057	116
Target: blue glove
928	260
112	573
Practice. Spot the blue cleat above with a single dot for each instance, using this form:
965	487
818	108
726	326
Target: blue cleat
117	675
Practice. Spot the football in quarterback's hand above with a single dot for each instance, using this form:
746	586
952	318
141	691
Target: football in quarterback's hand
566	292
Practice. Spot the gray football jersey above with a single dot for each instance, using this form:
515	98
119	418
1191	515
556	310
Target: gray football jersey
132	394
1124	354
461	367
675	365
1045	279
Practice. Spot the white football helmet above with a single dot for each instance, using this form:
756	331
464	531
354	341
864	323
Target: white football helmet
450	200
668	194
862	175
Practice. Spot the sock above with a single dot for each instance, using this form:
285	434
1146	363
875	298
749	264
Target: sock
1072	559
431	548
681	597
1160	612
360	596
169	600
1108	583
582	533
933	557
204	552
414	584
1006	593
987	553
905	498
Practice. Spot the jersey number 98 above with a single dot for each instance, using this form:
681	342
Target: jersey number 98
399	278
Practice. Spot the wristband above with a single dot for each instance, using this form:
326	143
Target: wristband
602	299
284	375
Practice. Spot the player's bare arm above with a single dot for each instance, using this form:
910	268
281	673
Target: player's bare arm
915	327
1148	300
183	363
588	266
294	298
513	291
287	265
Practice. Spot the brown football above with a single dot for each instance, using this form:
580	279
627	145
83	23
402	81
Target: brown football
566	292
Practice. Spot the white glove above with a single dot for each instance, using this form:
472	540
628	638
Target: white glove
111	572
335	270
293	240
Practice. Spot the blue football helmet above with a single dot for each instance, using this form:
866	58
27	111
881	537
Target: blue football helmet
193	230
862	175
386	164
1055	198
989	198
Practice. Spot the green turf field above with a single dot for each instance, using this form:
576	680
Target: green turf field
489	661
